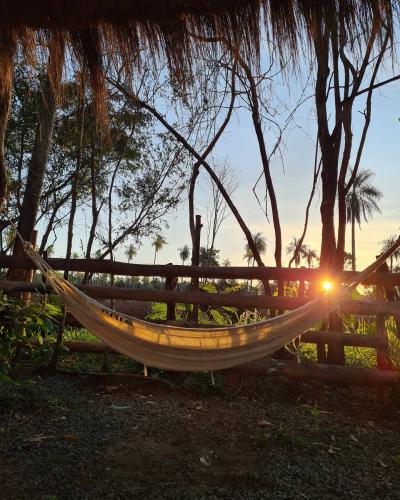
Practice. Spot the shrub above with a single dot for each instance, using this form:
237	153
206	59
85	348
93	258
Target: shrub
22	322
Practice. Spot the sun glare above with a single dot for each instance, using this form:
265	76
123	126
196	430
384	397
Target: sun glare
327	286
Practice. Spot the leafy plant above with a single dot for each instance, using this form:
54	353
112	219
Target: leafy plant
22	322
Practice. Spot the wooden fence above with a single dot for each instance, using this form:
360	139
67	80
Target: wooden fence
380	308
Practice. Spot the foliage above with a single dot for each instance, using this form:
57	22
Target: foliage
21	323
261	245
184	253
362	199
130	252
297	251
386	244
209	257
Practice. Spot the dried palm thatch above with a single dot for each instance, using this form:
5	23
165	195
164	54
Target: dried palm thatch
100	30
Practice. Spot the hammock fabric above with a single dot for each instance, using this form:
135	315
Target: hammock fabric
192	349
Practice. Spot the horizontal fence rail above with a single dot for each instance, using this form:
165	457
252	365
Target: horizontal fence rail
255	273
360	307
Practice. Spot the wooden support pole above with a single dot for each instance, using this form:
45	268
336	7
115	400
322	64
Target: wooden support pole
382	359
44	280
26	297
170	284
196	262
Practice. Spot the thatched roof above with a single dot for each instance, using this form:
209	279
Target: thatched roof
96	29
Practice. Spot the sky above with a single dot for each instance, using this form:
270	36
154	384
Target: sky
239	148
292	177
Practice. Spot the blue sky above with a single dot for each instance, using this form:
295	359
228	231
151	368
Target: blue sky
239	148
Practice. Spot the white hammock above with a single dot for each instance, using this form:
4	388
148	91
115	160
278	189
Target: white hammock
194	349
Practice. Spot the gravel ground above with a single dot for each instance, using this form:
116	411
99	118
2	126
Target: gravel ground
75	437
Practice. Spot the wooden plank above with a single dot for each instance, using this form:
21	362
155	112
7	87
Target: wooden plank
346	339
260	273
333	374
213	299
194	285
382	359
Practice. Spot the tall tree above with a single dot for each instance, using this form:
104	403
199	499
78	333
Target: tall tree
261	245
130	252
389	242
158	245
184	253
218	212
50	88
297	249
343	64
310	255
361	203
8	43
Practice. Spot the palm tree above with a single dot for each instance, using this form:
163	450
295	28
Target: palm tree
310	255
298	254
261	245
50	250
386	245
130	252
184	253
361	202
348	260
158	243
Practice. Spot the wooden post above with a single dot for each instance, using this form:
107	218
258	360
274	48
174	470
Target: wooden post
196	262
170	284
382	359
61	327
26	297
106	362
44	279
321	347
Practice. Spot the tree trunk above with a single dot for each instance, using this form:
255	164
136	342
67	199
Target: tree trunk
75	181
36	170
8	43
353	242
342	224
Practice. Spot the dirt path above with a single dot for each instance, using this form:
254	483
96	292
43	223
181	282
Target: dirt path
70	438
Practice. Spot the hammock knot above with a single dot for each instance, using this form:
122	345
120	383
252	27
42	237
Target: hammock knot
28	247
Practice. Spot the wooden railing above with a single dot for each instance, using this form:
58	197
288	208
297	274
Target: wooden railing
250	273
380	308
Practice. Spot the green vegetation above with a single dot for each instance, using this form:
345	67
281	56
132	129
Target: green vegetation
22	323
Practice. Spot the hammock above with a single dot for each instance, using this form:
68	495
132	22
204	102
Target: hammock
193	349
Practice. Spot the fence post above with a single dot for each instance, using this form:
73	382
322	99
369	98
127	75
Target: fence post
382	360
26	296
44	279
170	284
196	262
321	348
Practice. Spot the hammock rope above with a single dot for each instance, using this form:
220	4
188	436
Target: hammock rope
194	349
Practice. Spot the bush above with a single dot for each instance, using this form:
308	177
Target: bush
21	323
